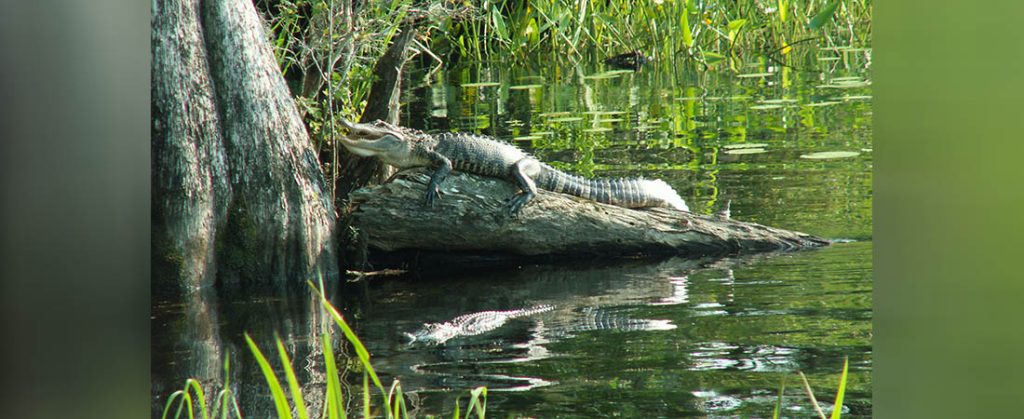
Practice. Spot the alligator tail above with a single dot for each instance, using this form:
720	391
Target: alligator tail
623	192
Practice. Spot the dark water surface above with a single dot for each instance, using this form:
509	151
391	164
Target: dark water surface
635	338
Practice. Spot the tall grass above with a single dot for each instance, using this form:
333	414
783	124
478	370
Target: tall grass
707	31
289	403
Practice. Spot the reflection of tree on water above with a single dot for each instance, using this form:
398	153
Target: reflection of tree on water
191	344
210	326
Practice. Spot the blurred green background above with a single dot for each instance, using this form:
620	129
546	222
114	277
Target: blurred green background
948	287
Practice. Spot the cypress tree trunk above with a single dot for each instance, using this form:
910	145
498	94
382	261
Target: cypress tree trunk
190	191
236	186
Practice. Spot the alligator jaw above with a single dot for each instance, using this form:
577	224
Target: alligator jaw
362	148
367	140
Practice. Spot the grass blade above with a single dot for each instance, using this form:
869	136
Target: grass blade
838	407
778	403
293	382
814	401
334	403
170	401
350	335
475	403
280	401
198	389
366	396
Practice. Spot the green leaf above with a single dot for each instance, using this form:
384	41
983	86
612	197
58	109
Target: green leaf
684	22
824	16
366	396
778	403
712	58
293	382
499	23
737	24
280	401
335	403
783	6
837	408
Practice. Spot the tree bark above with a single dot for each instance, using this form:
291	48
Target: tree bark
471	220
236	183
190	191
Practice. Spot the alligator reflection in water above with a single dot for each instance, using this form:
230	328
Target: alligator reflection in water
470	324
566	302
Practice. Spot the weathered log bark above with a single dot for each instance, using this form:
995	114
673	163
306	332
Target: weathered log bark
471	218
232	162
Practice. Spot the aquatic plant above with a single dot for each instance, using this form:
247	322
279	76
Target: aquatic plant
837	405
708	32
191	398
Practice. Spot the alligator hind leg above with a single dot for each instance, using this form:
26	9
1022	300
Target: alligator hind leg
522	172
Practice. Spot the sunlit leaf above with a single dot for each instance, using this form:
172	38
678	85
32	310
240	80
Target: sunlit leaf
838	405
482	84
830	155
742	151
744	145
712	58
824	16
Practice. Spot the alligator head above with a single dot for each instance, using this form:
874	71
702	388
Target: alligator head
431	334
380	140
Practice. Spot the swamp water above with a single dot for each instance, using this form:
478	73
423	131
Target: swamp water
636	338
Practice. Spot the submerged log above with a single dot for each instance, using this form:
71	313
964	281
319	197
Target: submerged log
471	219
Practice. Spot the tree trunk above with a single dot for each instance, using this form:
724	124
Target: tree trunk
470	226
383	104
232	161
190	191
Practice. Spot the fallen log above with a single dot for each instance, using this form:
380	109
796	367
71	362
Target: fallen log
471	220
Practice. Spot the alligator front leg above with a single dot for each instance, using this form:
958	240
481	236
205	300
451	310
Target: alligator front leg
444	166
522	172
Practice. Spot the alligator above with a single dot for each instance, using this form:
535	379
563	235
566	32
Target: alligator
628	61
470	324
405	148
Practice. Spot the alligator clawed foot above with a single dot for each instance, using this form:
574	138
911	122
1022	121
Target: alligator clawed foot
516	204
433	194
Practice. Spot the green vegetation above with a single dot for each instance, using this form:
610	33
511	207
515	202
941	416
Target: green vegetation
327	48
837	405
708	32
191	399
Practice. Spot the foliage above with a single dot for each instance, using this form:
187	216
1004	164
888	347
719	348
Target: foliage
327	48
191	398
668	30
